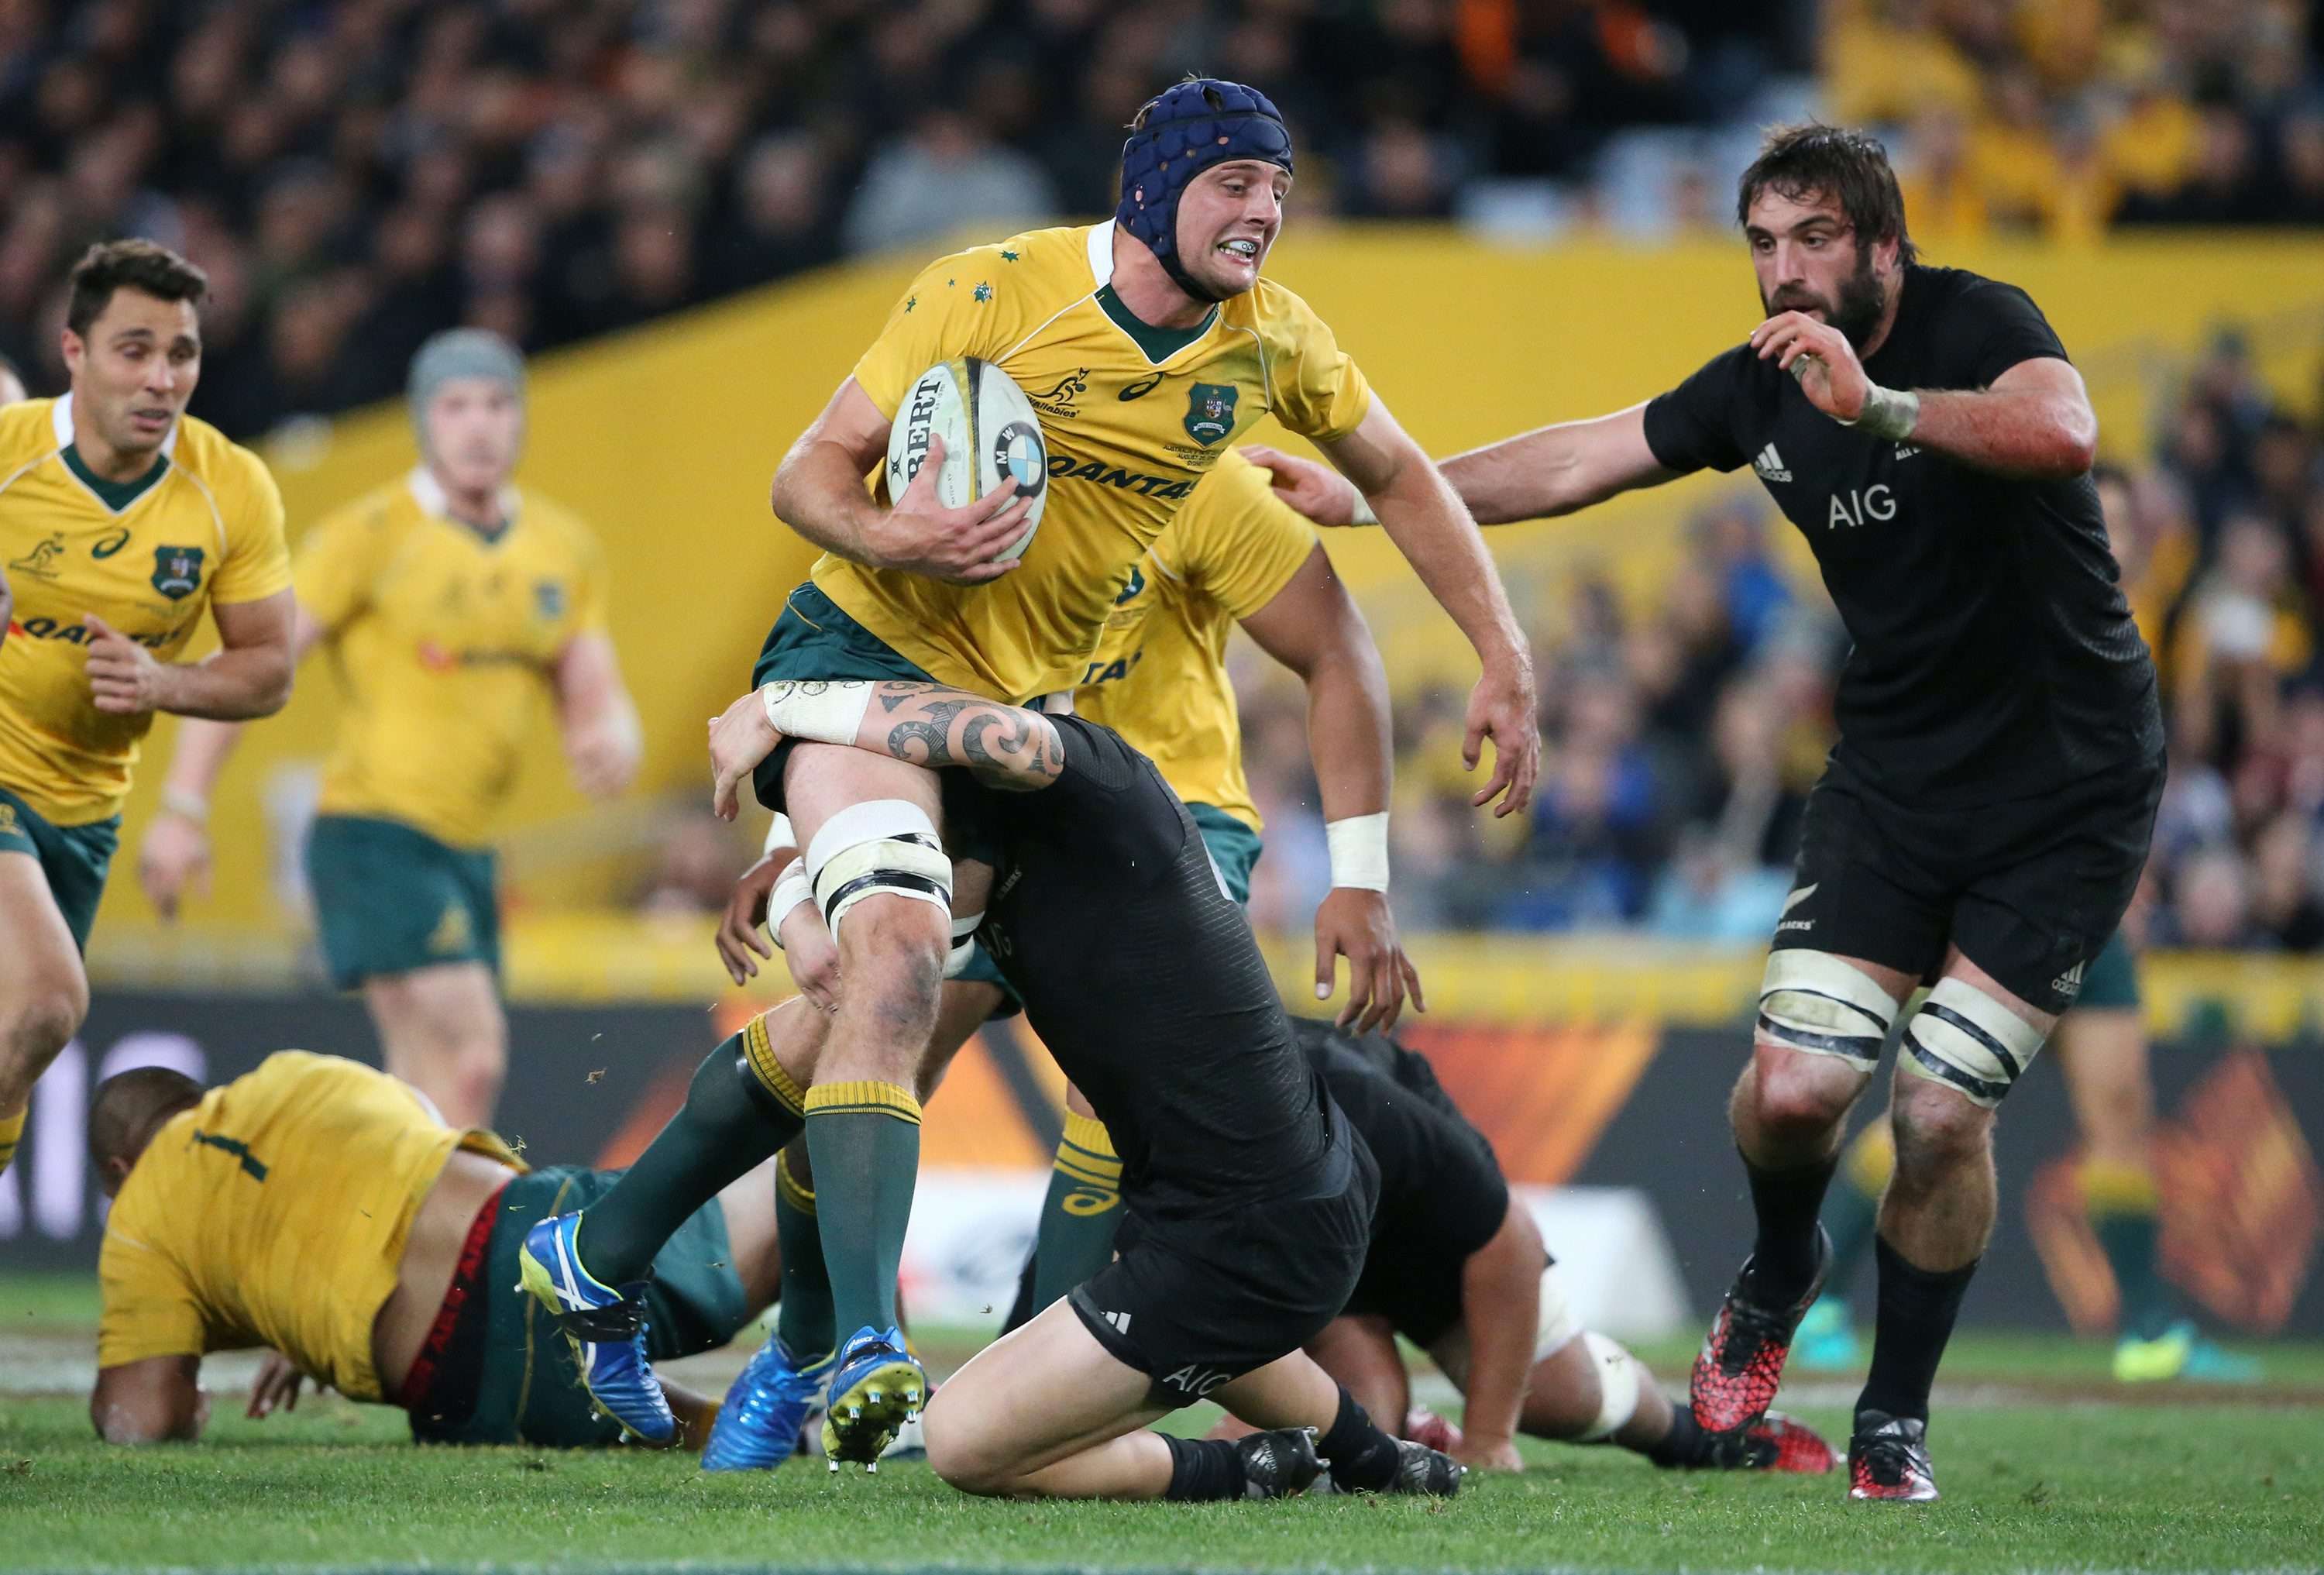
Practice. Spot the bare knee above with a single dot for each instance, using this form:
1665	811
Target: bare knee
959	1455
892	952
1938	1127
43	1021
1797	1096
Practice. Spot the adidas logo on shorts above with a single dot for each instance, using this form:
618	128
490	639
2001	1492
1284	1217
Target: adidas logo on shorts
1120	1321
1770	464
2069	983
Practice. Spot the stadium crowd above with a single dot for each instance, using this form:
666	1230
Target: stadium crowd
1684	729
363	172
357	172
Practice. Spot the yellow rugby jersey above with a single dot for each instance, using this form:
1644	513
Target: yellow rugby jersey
1158	676
446	640
275	1213
203	526
1133	417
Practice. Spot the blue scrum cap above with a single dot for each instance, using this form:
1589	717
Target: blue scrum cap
454	354
1189	128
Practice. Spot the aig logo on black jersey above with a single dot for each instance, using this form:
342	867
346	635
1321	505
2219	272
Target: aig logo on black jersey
1862	505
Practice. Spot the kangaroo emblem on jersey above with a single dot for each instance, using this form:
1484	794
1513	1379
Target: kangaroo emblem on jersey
38	561
1209	411
549	600
176	571
1137	583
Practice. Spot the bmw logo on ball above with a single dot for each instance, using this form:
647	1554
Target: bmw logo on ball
1017	452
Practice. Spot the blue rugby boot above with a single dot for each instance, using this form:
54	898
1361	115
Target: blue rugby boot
606	1328
875	1384
757	1427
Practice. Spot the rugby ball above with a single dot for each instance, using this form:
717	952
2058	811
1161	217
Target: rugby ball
990	435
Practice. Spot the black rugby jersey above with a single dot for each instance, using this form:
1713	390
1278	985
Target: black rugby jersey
1140	975
1994	657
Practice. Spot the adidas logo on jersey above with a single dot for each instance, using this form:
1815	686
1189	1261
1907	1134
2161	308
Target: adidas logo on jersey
2069	983
1770	464
1120	1321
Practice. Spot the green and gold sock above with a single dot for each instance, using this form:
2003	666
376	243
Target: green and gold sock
864	1137
802	1318
2125	1214
740	1108
1076	1239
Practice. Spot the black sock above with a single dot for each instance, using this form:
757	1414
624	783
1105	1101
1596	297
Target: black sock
1685	1445
1202	1469
1364	1459
1917	1308
1784	1257
734	1118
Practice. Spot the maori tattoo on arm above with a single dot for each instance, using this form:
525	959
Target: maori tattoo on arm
1004	746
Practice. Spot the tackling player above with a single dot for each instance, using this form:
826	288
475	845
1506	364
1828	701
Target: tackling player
1250	1193
1458	1267
1987	810
1147	343
121	520
449	599
1233	553
318	1208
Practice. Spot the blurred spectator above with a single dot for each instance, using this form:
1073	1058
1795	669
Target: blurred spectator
695	871
945	176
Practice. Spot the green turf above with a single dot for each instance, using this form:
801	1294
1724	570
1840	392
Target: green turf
2164	1486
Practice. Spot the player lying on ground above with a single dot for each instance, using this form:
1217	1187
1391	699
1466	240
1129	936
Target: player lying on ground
1457	1267
1152	339
1987	810
318	1208
123	519
1234	556
452	601
1251	1194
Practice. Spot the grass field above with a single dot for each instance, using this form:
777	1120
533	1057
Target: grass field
2044	1465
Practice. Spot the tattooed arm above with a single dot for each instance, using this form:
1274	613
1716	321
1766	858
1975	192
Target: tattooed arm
921	724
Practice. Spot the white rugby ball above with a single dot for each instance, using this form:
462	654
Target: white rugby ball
990	435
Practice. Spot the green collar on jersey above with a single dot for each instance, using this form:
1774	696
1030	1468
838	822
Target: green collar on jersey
1159	343
114	495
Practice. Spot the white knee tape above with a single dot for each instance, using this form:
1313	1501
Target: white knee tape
964	944
1964	1037
1555	1327
1619	1377
886	847
1813	1001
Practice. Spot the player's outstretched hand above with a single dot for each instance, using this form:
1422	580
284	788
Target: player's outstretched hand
1356	923
740	736
174	855
742	931
920	536
123	676
1316	491
1488	1454
276	1386
1501	708
812	956
1821	357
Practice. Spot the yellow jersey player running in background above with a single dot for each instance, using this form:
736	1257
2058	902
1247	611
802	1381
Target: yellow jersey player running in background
1148	343
121	518
451	599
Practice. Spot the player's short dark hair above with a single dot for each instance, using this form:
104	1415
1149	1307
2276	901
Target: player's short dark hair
129	264
129	1105
1849	168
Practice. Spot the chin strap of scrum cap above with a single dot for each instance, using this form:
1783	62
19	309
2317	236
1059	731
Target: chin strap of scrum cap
1185	130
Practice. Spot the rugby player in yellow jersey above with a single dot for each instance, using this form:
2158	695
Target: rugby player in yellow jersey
121	518
1148	343
320	1209
1234	555
451	600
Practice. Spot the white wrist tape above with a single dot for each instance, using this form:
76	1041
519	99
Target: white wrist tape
1359	848
1362	514
791	888
779	835
820	710
1888	412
